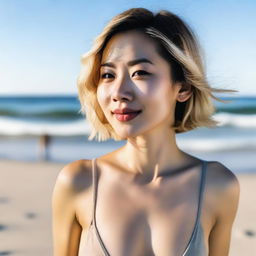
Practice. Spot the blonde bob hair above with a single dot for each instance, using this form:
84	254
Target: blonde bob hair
177	44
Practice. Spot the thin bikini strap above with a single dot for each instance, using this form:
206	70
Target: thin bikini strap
201	192
202	186
199	207
95	191
94	188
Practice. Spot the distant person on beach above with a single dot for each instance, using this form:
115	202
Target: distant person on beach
44	141
144	81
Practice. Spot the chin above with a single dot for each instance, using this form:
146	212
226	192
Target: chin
125	134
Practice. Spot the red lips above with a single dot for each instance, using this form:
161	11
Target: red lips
126	114
125	111
126	117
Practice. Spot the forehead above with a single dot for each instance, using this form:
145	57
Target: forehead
131	44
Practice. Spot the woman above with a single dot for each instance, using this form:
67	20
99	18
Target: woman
143	82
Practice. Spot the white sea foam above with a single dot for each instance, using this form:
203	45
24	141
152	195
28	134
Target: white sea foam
236	120
13	126
216	144
210	141
10	126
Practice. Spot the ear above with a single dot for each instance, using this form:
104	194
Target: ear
185	92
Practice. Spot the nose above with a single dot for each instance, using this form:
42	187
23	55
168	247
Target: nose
123	90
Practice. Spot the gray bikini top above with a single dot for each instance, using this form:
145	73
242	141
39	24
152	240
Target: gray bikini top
195	247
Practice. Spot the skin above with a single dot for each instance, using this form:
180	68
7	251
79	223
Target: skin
131	175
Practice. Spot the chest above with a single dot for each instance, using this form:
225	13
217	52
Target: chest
156	221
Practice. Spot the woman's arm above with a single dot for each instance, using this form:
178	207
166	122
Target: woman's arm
65	226
227	204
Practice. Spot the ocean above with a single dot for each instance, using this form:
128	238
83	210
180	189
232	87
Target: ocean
24	118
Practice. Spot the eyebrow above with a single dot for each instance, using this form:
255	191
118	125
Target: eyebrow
129	63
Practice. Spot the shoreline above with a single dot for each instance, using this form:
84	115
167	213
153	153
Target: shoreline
67	149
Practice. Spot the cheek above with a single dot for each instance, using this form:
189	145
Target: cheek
160	92
101	97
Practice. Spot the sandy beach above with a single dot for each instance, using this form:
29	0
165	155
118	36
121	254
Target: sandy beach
25	210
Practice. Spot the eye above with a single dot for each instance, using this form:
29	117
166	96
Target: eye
106	76
141	73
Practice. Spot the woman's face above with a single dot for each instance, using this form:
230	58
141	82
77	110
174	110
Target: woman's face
133	75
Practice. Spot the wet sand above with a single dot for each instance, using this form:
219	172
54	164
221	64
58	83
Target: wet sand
25	210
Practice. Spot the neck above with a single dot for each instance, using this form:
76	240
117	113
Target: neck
149	157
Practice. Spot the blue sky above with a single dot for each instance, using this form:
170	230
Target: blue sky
41	42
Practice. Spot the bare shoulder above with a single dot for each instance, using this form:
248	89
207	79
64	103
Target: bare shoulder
224	190
220	177
75	176
72	179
